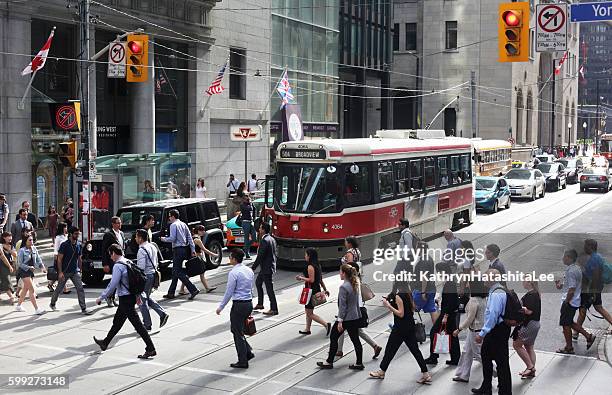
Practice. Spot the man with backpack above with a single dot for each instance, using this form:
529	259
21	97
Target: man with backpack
129	281
494	335
408	242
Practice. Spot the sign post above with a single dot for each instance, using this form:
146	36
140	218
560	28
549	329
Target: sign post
551	27
245	133
116	60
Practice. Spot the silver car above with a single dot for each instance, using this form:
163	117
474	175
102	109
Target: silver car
596	177
526	183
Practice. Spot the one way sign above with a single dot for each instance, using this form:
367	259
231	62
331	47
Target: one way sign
551	27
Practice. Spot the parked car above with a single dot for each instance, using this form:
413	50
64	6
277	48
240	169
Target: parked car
545	158
555	175
492	193
234	234
573	168
191	211
596	177
526	183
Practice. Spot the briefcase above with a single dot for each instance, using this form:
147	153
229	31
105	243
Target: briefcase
249	326
194	266
52	274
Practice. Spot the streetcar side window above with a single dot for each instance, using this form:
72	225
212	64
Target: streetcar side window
430	172
357	185
455	168
442	171
402	177
465	173
416	176
385	179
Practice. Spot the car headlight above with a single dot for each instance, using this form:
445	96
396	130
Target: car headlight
89	247
489	196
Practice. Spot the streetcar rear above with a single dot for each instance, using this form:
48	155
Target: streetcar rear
325	190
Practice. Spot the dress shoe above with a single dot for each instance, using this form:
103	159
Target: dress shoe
377	351
249	357
239	365
193	295
101	343
270	312
168	296
325	365
480	391
258	307
148	354
163	320
431	361
452	363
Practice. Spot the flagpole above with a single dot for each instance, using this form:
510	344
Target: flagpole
209	95
21	104
272	95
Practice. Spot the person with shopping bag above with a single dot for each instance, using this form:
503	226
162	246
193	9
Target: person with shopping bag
317	294
441	341
401	304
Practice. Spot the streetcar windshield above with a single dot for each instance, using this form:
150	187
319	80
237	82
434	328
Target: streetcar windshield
307	188
605	146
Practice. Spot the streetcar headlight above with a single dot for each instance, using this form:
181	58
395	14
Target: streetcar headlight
295	227
325	228
89	247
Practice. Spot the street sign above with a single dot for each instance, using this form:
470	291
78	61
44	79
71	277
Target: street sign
591	12
551	27
245	133
116	60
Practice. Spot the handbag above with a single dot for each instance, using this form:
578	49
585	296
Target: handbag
441	341
249	326
419	331
318	299
305	295
364	321
52	274
239	220
194	266
366	292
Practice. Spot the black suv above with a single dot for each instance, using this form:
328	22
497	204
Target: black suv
191	211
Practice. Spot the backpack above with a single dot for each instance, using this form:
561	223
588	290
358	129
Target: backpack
606	273
513	312
136	278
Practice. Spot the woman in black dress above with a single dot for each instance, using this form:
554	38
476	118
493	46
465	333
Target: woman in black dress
313	278
7	258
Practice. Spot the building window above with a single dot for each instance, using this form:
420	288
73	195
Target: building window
451	34
396	36
237	74
411	36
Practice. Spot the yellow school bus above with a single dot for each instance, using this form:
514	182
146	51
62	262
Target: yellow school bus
492	157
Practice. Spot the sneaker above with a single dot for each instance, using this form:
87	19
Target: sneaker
40	311
19	308
52	307
86	312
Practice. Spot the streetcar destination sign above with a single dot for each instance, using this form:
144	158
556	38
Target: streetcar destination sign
303	154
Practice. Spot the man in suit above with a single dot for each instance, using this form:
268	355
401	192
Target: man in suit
113	236
20	224
266	257
31	216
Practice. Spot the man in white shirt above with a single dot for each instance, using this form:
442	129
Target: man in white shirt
252	184
146	259
232	185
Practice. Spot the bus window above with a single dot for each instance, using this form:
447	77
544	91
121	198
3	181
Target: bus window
357	185
385	179
430	167
402	178
487	156
455	169
416	176
442	172
465	173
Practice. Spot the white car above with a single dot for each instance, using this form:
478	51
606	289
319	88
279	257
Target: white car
526	183
545	158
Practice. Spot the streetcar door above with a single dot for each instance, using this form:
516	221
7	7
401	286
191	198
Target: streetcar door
269	196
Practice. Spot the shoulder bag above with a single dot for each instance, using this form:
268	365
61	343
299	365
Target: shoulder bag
419	330
195	266
157	274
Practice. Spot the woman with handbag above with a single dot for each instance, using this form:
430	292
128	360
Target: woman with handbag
313	278
6	265
349	318
525	334
402	306
353	258
27	260
473	322
201	252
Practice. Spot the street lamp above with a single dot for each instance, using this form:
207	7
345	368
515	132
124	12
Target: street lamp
584	137
569	136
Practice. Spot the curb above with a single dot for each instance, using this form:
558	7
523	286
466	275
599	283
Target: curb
604	350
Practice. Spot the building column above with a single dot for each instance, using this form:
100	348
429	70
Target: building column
15	125
142	114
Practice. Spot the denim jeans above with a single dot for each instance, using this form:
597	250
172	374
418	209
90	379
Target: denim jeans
147	302
180	254
249	235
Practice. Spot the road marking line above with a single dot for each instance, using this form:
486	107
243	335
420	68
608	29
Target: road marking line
535	247
320	390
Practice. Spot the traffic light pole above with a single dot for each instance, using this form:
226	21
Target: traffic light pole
86	144
597	121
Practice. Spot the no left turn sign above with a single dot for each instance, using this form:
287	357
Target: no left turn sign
551	18
117	52
116	60
551	27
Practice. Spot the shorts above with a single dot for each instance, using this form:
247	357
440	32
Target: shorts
567	314
527	333
428	306
590	299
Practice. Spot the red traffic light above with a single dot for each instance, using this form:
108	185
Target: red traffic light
135	47
512	18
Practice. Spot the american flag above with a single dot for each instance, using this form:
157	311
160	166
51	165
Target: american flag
284	90
215	87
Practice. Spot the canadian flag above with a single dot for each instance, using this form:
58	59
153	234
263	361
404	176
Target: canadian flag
39	60
558	68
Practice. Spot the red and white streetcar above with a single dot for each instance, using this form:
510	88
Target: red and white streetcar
327	189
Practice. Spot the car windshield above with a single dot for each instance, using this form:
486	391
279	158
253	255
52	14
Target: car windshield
131	217
517	174
545	167
309	188
485	184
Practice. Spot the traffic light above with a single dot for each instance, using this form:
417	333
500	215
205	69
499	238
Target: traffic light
68	153
137	49
513	32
